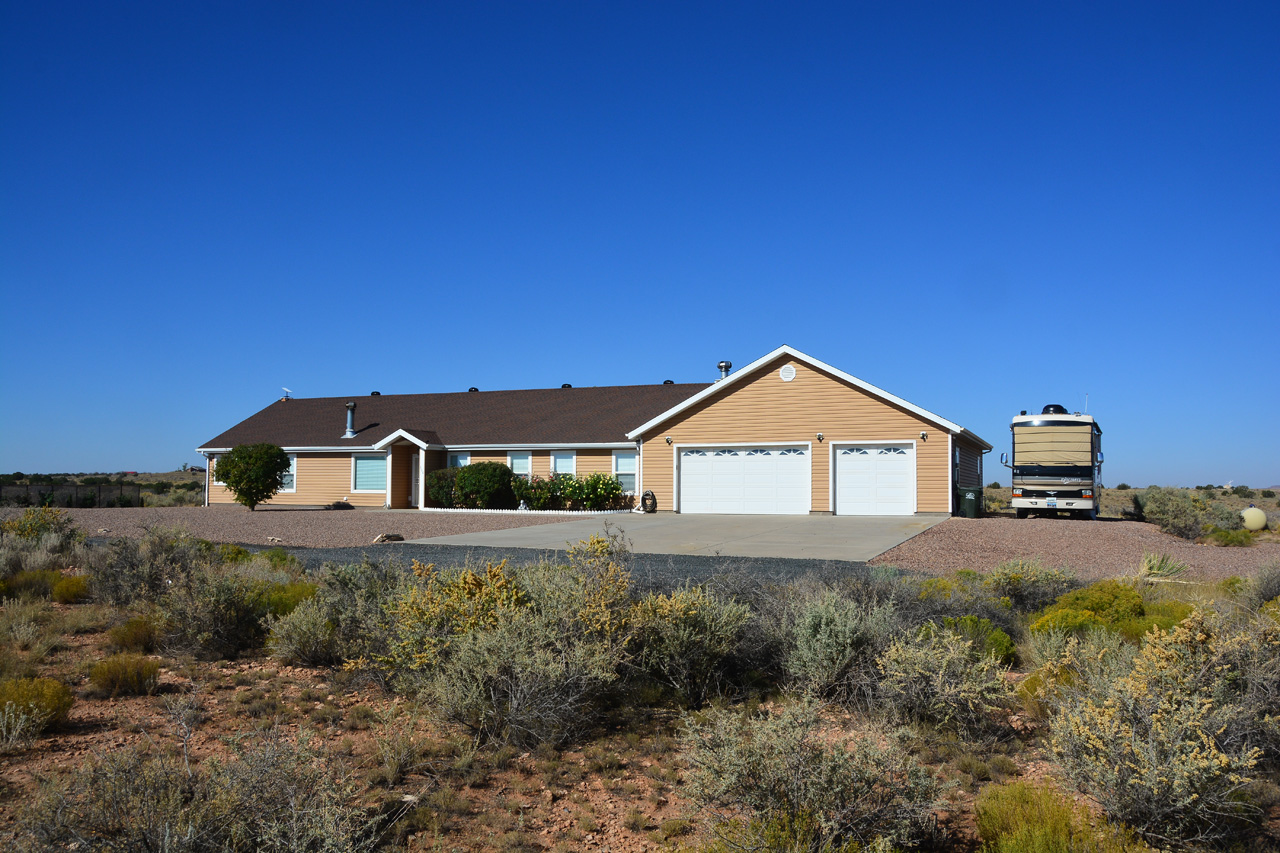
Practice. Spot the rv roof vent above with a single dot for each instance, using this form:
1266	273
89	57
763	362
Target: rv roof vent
375	393
1054	409
668	382
566	385
473	388
1023	412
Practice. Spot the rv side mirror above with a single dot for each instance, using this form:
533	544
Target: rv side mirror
1099	457
1004	458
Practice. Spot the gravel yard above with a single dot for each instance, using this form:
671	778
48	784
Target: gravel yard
304	528
1093	549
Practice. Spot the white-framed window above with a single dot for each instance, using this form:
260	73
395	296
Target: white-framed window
624	468
460	459
369	473
564	462
520	462
291	476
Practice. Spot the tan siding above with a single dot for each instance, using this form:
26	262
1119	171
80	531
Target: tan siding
322	478
969	475
595	462
764	408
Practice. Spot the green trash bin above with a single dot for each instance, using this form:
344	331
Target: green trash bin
970	502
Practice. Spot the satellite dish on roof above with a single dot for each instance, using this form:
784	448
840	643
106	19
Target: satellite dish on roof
286	391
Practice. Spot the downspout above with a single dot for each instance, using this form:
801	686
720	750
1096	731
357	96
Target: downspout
208	463
952	470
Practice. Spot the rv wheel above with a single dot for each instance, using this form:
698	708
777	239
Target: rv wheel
1022	513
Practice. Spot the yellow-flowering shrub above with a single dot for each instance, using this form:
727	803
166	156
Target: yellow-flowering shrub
1152	745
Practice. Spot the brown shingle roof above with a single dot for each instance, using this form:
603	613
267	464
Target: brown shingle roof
539	416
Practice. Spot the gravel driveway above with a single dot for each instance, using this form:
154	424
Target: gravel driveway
1092	549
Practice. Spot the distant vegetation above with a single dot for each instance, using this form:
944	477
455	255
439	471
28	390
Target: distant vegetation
87	490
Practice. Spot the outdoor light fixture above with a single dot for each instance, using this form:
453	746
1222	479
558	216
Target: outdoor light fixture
924	435
819	436
668	439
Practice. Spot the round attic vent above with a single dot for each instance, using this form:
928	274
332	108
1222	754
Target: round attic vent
788	372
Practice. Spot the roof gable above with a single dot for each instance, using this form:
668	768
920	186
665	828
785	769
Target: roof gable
737	379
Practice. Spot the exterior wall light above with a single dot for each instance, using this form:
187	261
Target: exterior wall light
819	436
924	435
668	439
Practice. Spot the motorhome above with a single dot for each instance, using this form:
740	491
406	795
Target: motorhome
1057	463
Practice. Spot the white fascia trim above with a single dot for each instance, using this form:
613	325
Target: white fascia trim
953	471
858	442
366	449
812	362
605	445
414	440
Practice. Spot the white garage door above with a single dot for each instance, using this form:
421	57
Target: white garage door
876	479
745	480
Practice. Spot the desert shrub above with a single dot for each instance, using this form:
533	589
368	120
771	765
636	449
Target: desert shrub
682	640
219	614
228	553
937	677
598	492
36	522
357	600
1268	493
985	637
833	646
1028	585
1123	487
1265	586
1221	517
994	484
1156	614
1021	817
1173	511
440	486
144	569
1243	492
1240	538
136	634
126	675
29	706
484	485
305	635
1160	746
808	790
520	682
273	796
70	589
1100	604
31	584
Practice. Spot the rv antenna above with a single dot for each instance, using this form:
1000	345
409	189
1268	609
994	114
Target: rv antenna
1086	402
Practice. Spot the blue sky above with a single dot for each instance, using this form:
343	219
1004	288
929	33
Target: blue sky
981	208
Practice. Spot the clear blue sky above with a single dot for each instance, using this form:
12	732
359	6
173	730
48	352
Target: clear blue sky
981	208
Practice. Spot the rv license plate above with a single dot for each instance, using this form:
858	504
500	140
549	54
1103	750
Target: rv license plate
1051	502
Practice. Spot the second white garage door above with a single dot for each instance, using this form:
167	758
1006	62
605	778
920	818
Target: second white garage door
745	480
876	479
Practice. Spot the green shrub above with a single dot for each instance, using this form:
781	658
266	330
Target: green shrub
1021	817
29	706
484	485
234	554
937	677
144	569
1265	586
833	645
36	522
598	492
805	789
1123	487
126	675
1067	620
985	637
280	599
70	589
1028	585
137	634
1160	614
1244	492
682	640
1173	511
305	635
253	473
31	584
440	486
1240	538
994	484
279	558
1104	603
1154	744
216	616
1268	493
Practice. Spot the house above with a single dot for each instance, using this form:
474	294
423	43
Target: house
787	434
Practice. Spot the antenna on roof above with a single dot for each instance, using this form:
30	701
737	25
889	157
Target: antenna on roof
286	391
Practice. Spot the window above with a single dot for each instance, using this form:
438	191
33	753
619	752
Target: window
459	460
624	468
368	473
564	462
519	463
213	470
291	476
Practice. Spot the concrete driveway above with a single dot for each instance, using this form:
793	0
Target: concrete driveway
815	537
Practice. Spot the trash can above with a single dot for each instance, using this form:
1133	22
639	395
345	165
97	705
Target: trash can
970	503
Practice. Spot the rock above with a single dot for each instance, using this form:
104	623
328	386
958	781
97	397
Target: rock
388	537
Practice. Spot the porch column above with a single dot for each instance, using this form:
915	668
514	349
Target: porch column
422	478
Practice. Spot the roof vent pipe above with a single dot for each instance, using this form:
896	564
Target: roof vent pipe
725	367
351	421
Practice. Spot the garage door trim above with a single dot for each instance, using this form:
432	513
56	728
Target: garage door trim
711	445
838	445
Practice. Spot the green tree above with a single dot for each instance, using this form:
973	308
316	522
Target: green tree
253	472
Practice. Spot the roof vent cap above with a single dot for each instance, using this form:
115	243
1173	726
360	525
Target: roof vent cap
473	388
1054	409
668	382
375	393
725	367
566	385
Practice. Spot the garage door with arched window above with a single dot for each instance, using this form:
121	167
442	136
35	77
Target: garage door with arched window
749	480
875	479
